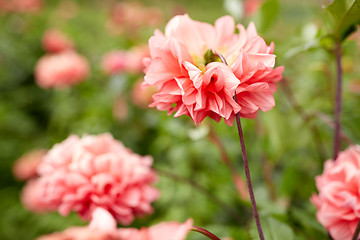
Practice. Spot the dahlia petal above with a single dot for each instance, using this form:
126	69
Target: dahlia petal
224	30
170	230
102	220
186	32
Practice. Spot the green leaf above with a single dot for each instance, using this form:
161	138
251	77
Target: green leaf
345	15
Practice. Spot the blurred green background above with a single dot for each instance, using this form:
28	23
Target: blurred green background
286	146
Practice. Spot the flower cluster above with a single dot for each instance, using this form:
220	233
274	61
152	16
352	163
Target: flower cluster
129	17
338	200
81	174
187	65
62	66
20	6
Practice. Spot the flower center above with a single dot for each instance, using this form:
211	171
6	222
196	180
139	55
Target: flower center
208	57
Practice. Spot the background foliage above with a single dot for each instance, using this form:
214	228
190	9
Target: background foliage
286	146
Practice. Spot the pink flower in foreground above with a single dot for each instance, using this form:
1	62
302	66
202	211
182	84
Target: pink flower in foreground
192	81
30	197
25	167
338	201
55	41
81	174
162	231
103	227
61	70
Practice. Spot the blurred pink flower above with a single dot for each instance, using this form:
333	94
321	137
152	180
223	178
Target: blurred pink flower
125	60
56	41
114	62
133	15
193	82
338	201
162	231
135	58
26	166
61	70
30	197
142	96
82	174
251	6
102	227
20	6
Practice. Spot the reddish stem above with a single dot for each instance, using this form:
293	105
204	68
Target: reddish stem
248	178
337	101
205	232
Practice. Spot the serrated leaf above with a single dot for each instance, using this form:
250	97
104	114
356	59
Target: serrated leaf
345	15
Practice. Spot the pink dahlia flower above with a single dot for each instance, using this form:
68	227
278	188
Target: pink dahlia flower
26	167
103	227
61	70
30	197
192	80
82	174
338	201
56	41
162	231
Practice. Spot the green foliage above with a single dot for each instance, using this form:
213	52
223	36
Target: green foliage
345	16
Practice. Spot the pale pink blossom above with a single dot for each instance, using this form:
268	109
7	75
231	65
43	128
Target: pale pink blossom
192	81
135	56
142	96
20	6
161	231
26	166
133	15
55	41
30	197
82	174
61	70
338	201
114	62
251	6
130	61
103	228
